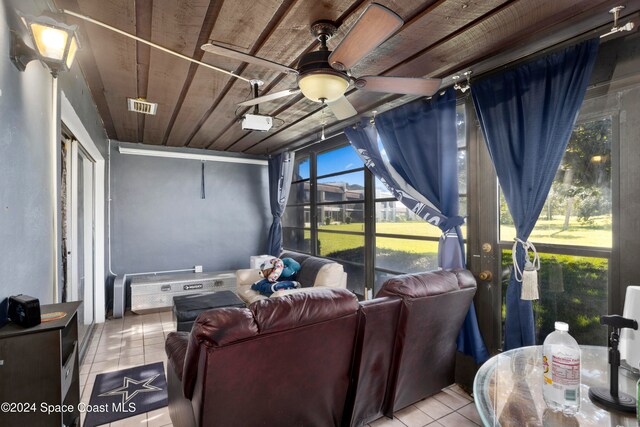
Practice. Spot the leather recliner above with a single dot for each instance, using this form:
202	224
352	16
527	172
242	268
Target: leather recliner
284	360
434	305
320	358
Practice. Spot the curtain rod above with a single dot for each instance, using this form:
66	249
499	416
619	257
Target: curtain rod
492	65
156	46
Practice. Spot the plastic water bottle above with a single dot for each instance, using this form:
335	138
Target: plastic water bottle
561	370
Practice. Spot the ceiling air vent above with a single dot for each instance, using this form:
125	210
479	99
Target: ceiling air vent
139	105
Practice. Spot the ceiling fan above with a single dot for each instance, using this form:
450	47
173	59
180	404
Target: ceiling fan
324	76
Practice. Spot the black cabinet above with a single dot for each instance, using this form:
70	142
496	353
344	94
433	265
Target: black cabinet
39	381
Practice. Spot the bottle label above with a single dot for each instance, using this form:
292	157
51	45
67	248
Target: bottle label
561	367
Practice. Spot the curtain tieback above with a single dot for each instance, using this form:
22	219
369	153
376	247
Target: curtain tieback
451	222
529	274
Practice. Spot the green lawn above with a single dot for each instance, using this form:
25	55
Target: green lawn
335	242
597	233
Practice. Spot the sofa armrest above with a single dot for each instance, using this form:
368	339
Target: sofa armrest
176	348
244	279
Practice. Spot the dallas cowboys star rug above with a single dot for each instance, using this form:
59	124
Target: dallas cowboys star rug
122	394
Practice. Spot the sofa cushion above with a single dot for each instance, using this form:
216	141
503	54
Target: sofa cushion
304	308
420	284
330	275
319	272
297	256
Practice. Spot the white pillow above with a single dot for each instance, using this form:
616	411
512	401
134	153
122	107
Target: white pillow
329	275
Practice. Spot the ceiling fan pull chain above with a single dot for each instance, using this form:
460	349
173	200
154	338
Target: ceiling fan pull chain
323	120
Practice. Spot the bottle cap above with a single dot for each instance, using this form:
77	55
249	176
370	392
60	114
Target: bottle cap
561	326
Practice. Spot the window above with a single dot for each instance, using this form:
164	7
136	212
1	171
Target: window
330	201
404	242
296	221
573	235
578	208
582	275
326	208
340	207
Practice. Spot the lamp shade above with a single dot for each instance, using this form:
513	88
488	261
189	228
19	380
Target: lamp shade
50	42
325	87
54	43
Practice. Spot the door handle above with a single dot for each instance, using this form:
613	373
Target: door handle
485	276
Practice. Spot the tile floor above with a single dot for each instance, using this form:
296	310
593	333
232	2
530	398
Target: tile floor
123	343
138	339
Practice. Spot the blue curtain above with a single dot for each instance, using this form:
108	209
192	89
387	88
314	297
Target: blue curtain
527	116
419	140
280	174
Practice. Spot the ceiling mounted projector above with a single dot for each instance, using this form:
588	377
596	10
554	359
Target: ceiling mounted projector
257	122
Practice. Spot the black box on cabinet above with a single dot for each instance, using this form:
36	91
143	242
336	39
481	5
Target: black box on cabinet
24	310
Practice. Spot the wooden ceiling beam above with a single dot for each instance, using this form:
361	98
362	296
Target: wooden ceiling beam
519	20
143	55
115	58
176	25
207	85
87	61
210	19
466	47
589	24
427	26
283	43
237	140
231	133
281	11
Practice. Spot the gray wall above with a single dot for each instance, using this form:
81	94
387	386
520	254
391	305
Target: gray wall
27	261
29	161
160	222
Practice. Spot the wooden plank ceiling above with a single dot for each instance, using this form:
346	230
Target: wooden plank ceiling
197	107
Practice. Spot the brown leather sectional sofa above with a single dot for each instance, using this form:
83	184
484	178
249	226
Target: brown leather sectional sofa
319	358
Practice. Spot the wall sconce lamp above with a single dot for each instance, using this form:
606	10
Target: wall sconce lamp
55	43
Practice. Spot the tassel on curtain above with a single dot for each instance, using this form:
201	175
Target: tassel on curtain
529	276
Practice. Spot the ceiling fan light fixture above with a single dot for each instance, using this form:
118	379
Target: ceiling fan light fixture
325	87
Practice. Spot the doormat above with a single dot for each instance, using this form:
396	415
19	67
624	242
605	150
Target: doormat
123	394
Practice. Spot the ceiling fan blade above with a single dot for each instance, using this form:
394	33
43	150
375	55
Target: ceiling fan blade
270	97
374	26
342	108
230	53
404	85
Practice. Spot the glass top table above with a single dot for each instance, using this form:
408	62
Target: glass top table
508	390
